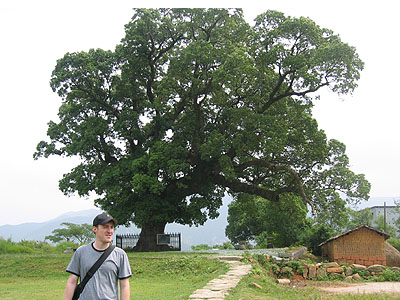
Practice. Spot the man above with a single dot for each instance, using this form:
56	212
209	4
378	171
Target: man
104	283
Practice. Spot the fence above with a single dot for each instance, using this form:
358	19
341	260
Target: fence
128	241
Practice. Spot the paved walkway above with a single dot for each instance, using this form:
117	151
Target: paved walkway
218	288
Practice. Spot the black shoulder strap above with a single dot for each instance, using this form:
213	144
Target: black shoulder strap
96	265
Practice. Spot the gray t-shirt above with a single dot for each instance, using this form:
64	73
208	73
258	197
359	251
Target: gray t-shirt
104	283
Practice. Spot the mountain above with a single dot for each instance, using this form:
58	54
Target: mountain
378	201
38	231
211	233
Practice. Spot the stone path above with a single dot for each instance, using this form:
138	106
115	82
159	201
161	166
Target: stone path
218	288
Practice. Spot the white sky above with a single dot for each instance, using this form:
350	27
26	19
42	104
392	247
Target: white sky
34	34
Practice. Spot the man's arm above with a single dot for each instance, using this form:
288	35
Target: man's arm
125	289
70	287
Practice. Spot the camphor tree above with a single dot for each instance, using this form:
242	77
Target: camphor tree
194	103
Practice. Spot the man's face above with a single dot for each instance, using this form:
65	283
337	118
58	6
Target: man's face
104	233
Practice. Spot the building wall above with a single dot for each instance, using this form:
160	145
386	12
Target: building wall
391	214
363	246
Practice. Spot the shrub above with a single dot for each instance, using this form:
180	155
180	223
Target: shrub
390	275
5	245
20	249
201	247
394	242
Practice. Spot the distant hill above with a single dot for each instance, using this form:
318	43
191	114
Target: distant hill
38	231
378	201
211	233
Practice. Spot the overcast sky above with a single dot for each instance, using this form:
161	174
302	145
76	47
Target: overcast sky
34	34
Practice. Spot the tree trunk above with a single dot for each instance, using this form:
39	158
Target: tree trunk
148	238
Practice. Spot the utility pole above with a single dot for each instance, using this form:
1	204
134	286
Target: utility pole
384	216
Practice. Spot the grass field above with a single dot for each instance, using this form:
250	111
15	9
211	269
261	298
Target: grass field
164	276
156	276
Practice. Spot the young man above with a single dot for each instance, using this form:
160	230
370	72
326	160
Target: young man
104	283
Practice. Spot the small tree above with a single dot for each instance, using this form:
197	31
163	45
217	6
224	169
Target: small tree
359	217
314	235
73	232
379	224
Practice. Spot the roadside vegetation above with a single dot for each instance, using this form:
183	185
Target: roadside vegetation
39	274
261	284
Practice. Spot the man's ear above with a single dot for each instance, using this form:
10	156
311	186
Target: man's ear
94	229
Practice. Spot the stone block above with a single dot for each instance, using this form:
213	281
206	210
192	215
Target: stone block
312	271
335	270
376	268
283	281
358	266
330	265
349	271
305	271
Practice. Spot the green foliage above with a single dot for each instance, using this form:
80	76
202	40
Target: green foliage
315	235
361	217
380	225
201	247
8	247
255	218
73	232
196	102
394	242
389	275
224	246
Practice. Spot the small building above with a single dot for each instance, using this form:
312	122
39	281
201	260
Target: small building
361	245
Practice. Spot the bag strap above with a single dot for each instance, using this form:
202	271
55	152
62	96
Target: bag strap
96	265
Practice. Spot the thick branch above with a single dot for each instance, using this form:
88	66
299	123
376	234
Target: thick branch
273	167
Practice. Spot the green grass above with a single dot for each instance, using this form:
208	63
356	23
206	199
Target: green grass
156	276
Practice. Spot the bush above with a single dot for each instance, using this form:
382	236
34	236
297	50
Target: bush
20	249
62	246
314	236
201	247
5	245
8	246
390	275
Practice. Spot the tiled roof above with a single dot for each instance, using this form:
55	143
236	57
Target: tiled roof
385	235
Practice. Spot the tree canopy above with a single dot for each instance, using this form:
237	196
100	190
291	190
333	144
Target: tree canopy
255	218
195	103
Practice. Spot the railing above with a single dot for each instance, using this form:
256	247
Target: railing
129	241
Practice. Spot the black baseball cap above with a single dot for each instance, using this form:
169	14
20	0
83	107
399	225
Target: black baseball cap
104	218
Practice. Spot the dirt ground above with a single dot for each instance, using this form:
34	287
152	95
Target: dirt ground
353	288
365	288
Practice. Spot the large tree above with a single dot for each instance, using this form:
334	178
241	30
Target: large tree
194	103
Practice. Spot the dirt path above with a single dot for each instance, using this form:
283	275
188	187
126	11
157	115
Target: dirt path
364	288
218	288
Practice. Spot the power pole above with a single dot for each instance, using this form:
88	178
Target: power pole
384	216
